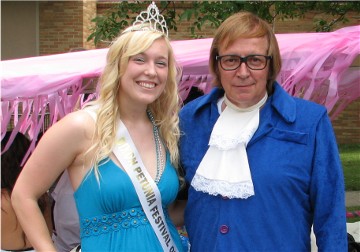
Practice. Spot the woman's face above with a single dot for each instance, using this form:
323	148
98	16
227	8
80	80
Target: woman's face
245	87
146	75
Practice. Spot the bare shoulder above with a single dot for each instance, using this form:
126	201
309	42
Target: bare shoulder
72	133
75	123
79	119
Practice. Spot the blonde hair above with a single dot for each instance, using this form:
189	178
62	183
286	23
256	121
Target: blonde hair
164	109
245	25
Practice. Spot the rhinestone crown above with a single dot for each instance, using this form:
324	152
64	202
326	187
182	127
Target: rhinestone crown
151	19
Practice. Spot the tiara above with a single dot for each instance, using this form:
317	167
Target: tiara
150	20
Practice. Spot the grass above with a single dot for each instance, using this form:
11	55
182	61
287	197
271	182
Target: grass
350	158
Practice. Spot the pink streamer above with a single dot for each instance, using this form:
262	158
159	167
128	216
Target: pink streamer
316	66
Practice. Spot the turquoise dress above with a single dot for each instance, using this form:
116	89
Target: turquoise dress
110	213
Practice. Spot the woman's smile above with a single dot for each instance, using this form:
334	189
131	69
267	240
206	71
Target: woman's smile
148	85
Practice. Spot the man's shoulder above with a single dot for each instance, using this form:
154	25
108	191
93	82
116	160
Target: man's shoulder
203	101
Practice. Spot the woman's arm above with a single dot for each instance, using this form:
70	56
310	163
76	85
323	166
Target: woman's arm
61	147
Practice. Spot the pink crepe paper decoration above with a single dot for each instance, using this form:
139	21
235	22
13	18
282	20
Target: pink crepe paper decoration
316	66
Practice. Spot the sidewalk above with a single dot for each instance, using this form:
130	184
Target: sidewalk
352	198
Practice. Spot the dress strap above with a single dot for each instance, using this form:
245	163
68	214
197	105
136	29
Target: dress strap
91	111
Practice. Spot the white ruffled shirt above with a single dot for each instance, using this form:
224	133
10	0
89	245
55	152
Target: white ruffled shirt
224	170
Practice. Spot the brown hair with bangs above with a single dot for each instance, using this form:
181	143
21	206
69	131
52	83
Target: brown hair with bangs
244	25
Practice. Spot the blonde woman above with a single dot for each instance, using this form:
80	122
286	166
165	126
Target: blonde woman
138	94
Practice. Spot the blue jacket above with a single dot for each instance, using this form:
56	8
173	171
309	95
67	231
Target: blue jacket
296	172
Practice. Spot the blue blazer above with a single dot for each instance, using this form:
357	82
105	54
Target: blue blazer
296	172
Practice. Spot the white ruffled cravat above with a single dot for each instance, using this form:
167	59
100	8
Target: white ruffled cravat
224	170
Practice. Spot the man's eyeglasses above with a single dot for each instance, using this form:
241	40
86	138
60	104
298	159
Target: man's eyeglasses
253	62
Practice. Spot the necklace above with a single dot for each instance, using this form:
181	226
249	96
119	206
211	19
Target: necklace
159	155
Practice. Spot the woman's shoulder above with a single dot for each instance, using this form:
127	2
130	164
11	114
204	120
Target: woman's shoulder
86	114
74	127
79	119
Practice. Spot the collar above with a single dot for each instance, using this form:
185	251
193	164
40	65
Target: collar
283	103
215	94
280	100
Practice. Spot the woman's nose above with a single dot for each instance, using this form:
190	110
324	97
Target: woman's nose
151	69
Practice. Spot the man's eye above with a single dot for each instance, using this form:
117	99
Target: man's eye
231	60
254	59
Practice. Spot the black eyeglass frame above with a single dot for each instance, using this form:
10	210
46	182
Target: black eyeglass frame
243	60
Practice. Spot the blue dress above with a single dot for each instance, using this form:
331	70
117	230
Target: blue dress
110	213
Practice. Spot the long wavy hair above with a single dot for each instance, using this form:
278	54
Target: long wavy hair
245	25
164	109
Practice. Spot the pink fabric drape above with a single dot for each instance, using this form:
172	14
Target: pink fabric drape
316	66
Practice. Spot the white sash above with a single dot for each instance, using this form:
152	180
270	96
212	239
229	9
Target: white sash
148	192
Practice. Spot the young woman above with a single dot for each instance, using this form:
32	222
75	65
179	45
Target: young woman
138	98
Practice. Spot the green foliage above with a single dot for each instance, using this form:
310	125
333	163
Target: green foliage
338	11
120	16
213	13
168	10
109	26
216	12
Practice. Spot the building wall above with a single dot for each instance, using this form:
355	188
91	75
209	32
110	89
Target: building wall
347	124
65	25
89	13
19	29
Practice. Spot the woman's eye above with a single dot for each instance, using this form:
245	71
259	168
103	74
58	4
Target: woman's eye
161	63
138	59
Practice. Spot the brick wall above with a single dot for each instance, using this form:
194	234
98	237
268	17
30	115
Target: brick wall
89	12
66	24
347	124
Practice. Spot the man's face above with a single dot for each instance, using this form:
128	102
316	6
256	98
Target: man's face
243	86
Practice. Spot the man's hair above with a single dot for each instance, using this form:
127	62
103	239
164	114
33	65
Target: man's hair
245	25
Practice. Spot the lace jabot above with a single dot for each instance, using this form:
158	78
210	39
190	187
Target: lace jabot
224	170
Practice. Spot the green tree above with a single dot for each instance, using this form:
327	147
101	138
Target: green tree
214	12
